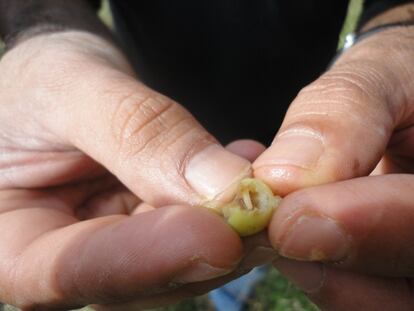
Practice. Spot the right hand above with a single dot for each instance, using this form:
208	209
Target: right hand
349	236
80	137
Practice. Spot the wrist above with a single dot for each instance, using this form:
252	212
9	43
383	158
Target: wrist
387	14
68	48
399	13
390	46
20	19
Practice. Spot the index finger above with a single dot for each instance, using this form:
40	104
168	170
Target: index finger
49	259
364	224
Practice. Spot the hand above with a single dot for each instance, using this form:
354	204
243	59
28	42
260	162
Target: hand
357	116
82	143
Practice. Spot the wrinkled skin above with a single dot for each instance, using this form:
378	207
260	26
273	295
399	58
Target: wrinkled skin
356	120
77	129
82	145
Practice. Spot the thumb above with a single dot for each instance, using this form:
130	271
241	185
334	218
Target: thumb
338	127
150	142
153	145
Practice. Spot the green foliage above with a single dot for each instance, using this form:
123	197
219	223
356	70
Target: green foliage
201	303
105	14
351	20
274	293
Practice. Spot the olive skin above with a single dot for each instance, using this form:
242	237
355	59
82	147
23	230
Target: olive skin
252	207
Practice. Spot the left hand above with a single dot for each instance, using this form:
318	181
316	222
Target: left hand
69	183
357	116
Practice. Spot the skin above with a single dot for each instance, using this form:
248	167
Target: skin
71	175
344	158
77	128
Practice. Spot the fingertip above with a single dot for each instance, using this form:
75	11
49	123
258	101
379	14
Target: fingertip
288	210
214	172
282	179
290	162
301	230
247	148
349	224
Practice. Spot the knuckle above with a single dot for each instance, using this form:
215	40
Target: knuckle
150	122
364	82
345	97
343	87
134	112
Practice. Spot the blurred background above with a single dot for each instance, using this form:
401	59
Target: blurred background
274	292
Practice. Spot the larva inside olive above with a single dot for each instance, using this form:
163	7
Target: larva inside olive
252	207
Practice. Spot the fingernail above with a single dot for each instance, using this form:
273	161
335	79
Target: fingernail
198	272
315	238
308	276
214	170
298	148
259	256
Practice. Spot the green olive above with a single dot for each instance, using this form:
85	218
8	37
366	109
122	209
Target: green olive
252	207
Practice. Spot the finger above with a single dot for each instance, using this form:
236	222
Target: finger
246	148
171	297
151	143
257	251
118	201
399	156
337	290
108	259
68	199
338	127
97	197
142	208
364	224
